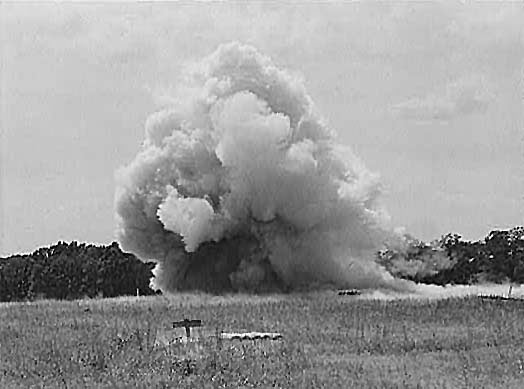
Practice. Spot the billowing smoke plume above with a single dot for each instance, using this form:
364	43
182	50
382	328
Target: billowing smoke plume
240	186
414	259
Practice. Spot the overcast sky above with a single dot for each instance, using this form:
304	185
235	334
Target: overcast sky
430	96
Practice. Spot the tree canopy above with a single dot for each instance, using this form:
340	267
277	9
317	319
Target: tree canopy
499	257
73	270
77	270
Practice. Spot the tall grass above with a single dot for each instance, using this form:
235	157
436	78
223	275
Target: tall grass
329	341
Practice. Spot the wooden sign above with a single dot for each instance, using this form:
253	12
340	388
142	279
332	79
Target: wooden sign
187	324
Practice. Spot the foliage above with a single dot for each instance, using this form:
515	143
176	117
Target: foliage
72	270
451	260
414	259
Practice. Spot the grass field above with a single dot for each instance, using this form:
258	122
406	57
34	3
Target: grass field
329	342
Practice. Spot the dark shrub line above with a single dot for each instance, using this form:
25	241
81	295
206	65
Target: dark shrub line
73	270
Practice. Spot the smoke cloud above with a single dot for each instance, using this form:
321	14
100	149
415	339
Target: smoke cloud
464	96
241	186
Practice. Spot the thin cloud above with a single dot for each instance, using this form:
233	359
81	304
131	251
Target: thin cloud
465	96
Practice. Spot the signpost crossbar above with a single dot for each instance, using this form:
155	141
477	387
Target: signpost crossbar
187	324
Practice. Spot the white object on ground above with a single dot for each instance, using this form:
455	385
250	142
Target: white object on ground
250	335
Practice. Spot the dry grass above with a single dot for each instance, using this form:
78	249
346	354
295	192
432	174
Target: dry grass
329	341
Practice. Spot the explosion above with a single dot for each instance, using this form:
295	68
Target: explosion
241	186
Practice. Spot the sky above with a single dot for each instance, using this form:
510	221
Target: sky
428	95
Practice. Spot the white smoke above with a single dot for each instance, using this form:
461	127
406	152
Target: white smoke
241	186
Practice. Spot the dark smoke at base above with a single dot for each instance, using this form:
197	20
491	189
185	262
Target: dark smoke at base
240	186
212	269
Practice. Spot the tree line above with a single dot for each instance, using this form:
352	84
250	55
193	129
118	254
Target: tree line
73	270
77	270
497	258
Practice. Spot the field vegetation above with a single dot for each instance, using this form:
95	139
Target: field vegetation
329	341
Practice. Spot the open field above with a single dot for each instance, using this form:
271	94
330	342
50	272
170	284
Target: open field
328	342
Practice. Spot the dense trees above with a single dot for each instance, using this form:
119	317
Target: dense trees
414	259
506	254
499	257
73	270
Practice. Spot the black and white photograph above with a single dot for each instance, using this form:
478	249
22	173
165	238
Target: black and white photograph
262	194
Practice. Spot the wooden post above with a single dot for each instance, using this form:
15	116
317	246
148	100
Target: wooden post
187	324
